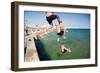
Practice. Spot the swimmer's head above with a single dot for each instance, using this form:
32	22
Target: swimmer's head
62	43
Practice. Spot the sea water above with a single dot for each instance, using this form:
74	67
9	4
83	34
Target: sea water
78	40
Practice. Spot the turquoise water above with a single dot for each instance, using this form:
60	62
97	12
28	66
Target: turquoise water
78	40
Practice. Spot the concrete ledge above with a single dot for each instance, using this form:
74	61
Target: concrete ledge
31	51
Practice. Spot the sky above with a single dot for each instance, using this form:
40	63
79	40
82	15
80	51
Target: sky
70	20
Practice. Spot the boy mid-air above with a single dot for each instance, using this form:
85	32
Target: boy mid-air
50	17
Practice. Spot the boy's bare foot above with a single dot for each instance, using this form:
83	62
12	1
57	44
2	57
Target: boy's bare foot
58	39
64	37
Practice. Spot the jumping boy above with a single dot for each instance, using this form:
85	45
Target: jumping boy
50	17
